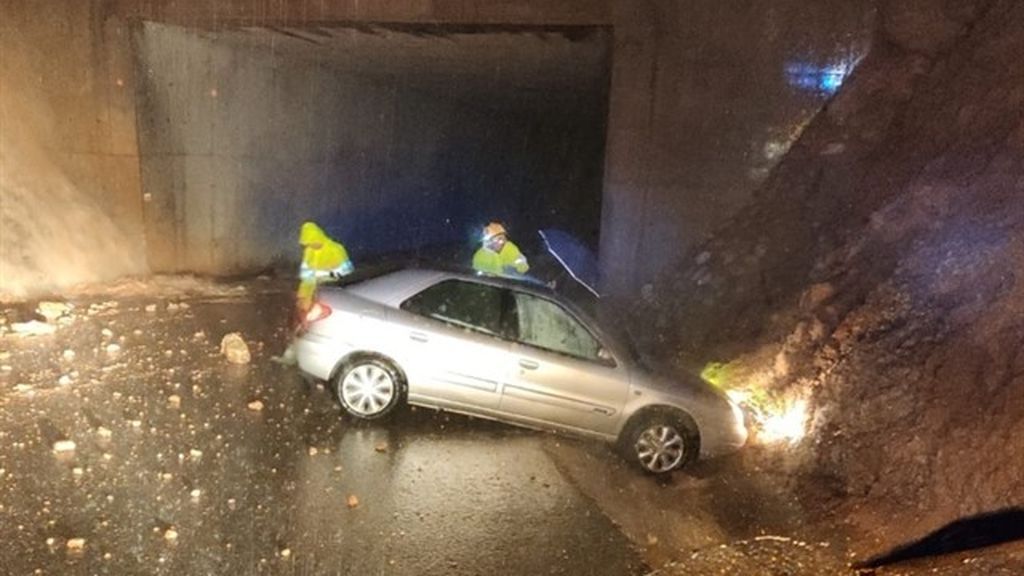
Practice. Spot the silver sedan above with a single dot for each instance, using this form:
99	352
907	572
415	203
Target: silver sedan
507	351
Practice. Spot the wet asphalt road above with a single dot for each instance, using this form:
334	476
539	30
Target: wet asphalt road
185	464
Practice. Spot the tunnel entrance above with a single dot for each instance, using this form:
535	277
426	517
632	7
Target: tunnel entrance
395	138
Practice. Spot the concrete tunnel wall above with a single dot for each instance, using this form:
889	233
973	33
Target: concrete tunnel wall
242	138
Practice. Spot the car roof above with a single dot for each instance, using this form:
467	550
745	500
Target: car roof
393	288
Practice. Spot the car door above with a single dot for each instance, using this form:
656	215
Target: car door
561	376
458	356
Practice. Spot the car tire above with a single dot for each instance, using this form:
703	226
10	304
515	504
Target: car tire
369	388
660	441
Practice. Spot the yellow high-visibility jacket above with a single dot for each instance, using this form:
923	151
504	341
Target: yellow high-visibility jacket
321	258
322	254
509	262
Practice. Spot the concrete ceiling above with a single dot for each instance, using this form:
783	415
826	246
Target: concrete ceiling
495	66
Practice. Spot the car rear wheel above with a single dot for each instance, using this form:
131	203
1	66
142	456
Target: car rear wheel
368	388
661	442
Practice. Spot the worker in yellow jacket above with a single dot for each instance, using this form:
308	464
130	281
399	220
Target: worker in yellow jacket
322	258
498	255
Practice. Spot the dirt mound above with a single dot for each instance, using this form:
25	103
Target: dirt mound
879	273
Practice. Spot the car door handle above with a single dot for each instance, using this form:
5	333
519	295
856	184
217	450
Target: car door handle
418	336
528	364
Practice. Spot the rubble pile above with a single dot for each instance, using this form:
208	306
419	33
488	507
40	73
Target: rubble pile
879	272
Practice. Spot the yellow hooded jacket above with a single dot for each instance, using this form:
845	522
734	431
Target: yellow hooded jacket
321	257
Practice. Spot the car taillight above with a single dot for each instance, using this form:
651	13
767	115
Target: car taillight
317	312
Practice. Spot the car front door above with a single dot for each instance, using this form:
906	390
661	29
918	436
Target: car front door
560	375
459	357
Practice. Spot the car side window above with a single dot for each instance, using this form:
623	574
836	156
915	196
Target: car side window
467	305
544	324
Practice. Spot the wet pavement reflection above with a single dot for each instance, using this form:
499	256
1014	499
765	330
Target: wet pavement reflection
128	445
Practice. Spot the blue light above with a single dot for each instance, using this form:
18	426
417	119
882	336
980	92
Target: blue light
814	78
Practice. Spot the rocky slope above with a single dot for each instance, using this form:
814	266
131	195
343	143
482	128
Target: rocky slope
880	274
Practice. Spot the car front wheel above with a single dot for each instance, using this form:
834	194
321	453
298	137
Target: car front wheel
661	442
368	388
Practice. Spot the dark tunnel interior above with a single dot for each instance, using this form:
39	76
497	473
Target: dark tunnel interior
394	138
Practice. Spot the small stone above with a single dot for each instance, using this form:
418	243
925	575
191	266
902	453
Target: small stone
76	544
53	310
352	501
151	308
77	471
313	451
64	446
174	401
256	405
68	355
195	454
286	553
107	333
171	535
381	447
113	348
33	328
196	493
234	348
64	380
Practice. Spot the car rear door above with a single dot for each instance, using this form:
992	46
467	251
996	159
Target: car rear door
457	355
560	375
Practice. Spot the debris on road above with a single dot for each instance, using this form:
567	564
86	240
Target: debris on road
76	544
352	501
234	348
256	405
151	308
64	446
68	355
33	328
53	311
174	401
113	348
171	535
381	447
